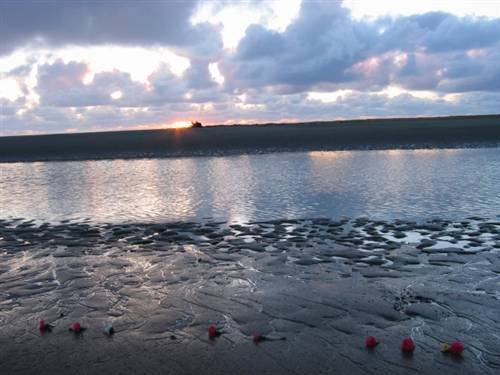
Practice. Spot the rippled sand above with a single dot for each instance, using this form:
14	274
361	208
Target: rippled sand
316	287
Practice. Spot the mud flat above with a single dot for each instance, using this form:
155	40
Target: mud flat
317	287
405	133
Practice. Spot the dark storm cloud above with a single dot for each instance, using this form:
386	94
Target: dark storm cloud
76	22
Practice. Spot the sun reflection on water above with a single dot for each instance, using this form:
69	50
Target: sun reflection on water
393	184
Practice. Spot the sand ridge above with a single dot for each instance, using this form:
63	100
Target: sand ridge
376	134
322	284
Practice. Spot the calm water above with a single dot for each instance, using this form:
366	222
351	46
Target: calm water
380	184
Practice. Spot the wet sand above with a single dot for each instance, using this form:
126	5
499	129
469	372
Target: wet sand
319	285
437	132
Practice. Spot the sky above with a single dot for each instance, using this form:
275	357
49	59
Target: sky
84	66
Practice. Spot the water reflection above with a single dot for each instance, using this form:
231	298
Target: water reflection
237	175
385	184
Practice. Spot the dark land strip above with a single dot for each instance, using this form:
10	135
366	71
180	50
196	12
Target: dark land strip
414	133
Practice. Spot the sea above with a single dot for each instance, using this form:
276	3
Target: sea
389	184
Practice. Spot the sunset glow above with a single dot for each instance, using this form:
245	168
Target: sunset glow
179	125
244	62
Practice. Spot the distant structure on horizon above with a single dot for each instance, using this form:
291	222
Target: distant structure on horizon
196	124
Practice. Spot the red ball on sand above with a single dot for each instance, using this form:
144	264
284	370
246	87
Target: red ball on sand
76	327
456	348
371	342
212	331
256	337
408	345
42	325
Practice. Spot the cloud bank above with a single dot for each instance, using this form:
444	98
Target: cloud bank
325	64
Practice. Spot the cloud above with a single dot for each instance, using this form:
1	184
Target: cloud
8	108
316	48
62	85
426	64
256	107
445	32
326	49
90	22
434	32
198	75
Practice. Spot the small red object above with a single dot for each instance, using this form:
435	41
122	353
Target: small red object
371	342
76	327
408	345
42	325
456	348
257	337
212	331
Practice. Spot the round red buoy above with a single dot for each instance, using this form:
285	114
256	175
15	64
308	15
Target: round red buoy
212	331
371	342
42	325
408	345
456	348
76	327
256	337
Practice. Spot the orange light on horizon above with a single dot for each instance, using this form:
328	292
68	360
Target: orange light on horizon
179	125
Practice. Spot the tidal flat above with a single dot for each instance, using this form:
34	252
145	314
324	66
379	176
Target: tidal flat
315	287
371	134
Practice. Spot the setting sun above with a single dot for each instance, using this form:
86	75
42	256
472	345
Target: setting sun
179	125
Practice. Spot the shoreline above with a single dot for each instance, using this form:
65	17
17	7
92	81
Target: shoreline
233	153
381	134
323	284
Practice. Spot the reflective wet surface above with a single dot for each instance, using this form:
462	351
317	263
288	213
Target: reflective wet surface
150	252
410	184
314	288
